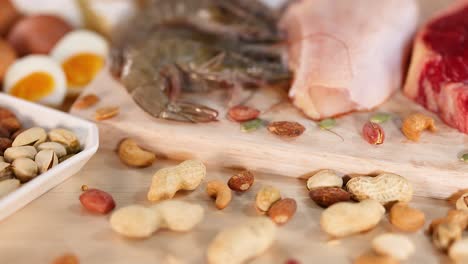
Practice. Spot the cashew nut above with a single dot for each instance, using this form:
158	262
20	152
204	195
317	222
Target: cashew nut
385	188
238	244
185	176
266	197
221	192
324	178
462	203
345	218
393	245
446	231
415	124
136	221
132	155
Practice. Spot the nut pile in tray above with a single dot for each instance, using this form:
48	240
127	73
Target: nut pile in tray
27	153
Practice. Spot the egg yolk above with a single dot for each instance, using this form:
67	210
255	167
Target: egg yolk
82	68
34	86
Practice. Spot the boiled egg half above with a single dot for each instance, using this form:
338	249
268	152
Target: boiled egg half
36	78
82	56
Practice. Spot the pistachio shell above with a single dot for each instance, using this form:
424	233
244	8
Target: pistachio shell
20	152
65	137
24	169
33	136
45	160
58	148
5	171
8	186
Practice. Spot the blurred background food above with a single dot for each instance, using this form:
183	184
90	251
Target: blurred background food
71	37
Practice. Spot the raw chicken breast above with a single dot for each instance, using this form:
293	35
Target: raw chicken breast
438	77
346	55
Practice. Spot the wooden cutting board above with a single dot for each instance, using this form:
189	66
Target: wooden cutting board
431	164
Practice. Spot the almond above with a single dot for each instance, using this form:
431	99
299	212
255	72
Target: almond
242	181
327	196
282	211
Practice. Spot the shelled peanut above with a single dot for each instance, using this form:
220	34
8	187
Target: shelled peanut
30	152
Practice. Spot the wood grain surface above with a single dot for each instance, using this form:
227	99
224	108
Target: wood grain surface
56	224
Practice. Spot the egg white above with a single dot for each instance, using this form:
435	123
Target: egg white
78	42
38	63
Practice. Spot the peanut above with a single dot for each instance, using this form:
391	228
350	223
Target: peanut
385	188
221	192
137	221
97	201
242	181
267	196
372	258
455	196
132	155
458	252
86	101
324	178
238	244
415	124
185	176
393	245
345	218
448	230
105	113
406	218
282	211
327	196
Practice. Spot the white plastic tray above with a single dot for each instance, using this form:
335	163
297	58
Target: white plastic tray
36	115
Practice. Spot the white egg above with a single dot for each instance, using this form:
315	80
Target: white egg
36	78
82	55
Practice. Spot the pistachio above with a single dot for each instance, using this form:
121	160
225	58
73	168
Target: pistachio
24	169
5	171
33	136
14	153
65	137
45	160
58	148
8	186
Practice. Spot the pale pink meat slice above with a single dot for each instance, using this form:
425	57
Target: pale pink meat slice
346	55
438	75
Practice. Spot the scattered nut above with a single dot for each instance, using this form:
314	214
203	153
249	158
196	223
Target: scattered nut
24	169
135	221
454	197
266	197
67	138
458	252
86	101
446	231
29	137
282	211
185	176
339	220
67	259
415	124
393	245
97	201
132	155
462	203
179	216
106	113
242	113
242	181
221	192
45	160
406	218
239	244
324	178
58	148
372	258
7	186
327	196
286	129
14	153
373	133
385	188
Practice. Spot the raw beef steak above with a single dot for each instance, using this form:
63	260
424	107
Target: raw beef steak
438	76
